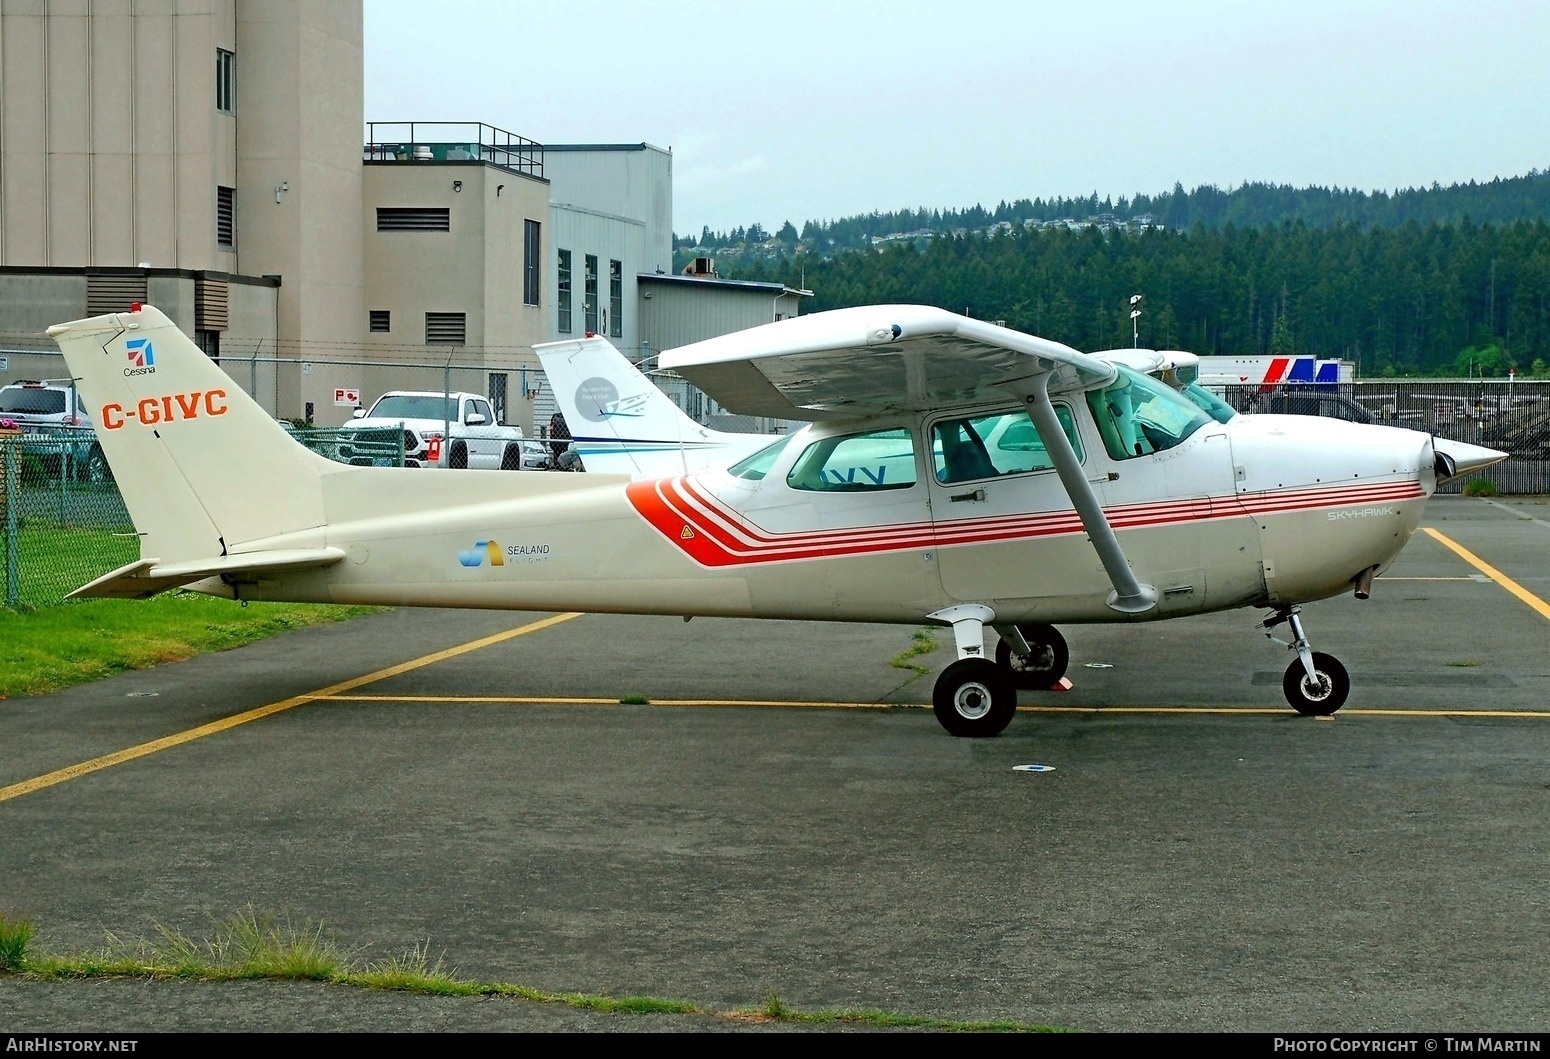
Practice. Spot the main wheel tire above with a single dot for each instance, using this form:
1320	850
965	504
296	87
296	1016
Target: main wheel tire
457	455
511	458
1043	668
1320	698
974	698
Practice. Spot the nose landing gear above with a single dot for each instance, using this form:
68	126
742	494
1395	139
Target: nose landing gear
1316	684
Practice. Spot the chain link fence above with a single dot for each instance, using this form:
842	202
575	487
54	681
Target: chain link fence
65	524
1503	414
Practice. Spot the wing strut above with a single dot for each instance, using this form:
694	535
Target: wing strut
1129	595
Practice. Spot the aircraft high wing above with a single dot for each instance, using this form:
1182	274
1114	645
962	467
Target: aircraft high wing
951	471
620	421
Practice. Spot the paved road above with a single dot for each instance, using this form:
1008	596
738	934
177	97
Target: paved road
1237	868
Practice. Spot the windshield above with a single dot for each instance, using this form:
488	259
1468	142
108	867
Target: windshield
1138	415
1214	406
415	406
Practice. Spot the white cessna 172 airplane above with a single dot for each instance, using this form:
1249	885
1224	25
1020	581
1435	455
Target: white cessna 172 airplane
621	423
952	471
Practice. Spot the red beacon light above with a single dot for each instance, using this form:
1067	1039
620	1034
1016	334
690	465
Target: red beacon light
135	307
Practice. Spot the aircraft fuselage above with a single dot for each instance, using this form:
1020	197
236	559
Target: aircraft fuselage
1263	510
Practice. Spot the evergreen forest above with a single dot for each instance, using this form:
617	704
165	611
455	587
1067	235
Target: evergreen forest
1442	281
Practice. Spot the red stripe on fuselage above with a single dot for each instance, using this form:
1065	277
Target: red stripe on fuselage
714	535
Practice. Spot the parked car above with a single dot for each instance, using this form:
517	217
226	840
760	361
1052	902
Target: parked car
536	456
1329	403
60	434
476	439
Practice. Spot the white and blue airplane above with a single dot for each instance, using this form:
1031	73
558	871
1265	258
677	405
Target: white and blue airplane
950	471
621	422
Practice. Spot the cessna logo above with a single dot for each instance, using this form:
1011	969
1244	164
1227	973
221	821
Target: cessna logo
166	409
142	357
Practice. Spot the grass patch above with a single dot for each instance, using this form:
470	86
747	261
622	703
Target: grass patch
249	946
15	936
922	643
1464	665
1480	487
53	648
634	700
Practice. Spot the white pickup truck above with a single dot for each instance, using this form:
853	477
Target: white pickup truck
453	429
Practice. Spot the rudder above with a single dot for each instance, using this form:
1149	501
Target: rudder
201	466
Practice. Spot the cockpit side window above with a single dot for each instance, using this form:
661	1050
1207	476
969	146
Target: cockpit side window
993	445
853	463
1138	415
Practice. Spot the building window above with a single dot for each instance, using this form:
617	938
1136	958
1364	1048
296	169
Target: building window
210	343
414	219
446	329
616	298
498	395
225	82
531	247
226	218
564	298
589	305
381	320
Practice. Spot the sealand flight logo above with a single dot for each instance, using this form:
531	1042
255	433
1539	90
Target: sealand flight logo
495	555
482	550
141	355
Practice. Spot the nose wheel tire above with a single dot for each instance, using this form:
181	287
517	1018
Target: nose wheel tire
1044	665
1321	697
974	698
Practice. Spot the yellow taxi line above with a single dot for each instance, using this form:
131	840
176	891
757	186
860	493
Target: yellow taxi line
1537	604
539	700
70	772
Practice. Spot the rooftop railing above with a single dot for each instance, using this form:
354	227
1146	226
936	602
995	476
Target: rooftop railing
452	141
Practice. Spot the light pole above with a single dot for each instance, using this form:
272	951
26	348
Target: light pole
1135	315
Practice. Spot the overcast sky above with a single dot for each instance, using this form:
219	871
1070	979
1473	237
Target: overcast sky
821	109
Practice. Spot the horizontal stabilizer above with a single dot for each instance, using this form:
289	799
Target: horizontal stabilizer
147	577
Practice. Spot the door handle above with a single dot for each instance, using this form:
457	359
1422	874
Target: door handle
978	494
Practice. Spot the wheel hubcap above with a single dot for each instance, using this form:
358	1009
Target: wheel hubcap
1316	690
972	701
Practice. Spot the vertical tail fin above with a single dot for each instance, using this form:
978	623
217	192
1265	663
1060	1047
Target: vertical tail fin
622	423
201	466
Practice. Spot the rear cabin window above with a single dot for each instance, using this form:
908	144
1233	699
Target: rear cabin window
753	468
857	463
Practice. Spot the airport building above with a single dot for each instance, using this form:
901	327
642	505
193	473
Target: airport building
212	157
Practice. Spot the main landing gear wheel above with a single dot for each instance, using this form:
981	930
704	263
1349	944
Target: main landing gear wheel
1321	697
974	698
1046	663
